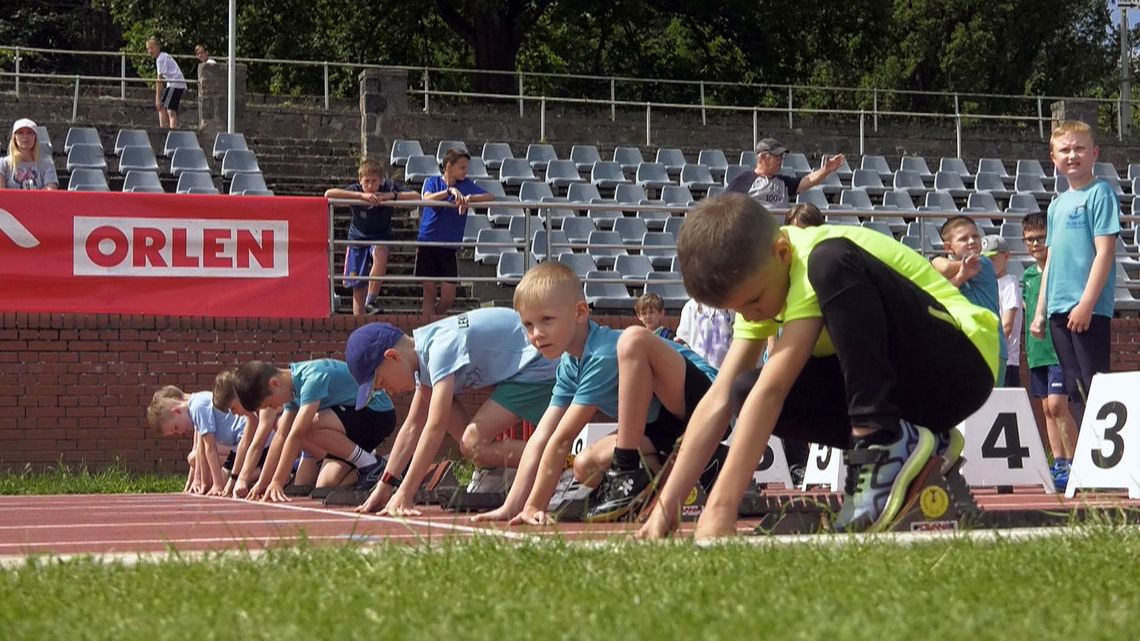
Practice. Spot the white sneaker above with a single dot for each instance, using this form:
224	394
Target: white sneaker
490	480
568	489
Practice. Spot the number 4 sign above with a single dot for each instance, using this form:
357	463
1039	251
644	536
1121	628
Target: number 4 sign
1002	443
1108	447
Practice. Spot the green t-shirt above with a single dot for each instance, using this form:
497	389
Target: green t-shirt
980	325
1039	352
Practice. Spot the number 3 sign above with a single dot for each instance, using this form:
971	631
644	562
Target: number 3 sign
1108	448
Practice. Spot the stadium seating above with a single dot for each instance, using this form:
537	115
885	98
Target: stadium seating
628	157
198	181
402	150
224	142
672	159
84	179
179	139
131	138
444	146
653	175
494	153
86	156
607	174
246	181
237	161
539	155
584	156
81	136
606	295
143	182
673	293
188	159
137	158
877	164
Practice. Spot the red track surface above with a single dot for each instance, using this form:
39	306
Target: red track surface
147	523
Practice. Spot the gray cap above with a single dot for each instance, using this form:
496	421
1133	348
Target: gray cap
771	146
994	244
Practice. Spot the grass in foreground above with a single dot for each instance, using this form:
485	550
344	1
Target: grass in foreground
64	479
1074	587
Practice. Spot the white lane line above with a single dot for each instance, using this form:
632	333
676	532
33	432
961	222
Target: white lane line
67	526
263	540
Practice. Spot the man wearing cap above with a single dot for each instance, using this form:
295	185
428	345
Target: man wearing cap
769	186
24	168
483	348
996	249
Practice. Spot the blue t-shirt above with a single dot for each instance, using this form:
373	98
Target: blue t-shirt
226	427
329	382
372	223
593	379
445	225
982	290
481	347
1076	217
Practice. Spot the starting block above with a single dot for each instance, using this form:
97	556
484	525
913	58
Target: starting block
298	491
463	501
352	497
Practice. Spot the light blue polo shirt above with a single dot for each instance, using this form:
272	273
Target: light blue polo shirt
226	427
482	347
1076	217
593	379
982	290
329	382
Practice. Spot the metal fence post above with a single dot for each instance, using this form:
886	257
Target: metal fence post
427	88
648	138
1040	120
704	118
542	120
521	94
75	101
123	77
17	72
958	133
613	101
862	132
326	85
790	125
755	128
875	107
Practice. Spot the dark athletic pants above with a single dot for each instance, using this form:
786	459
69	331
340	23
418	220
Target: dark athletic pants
1082	355
894	359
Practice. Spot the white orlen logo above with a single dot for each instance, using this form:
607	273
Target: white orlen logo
15	230
200	248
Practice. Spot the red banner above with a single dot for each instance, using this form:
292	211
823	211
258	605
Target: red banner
163	254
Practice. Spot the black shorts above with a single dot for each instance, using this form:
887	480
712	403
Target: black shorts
665	431
171	98
436	261
229	463
366	427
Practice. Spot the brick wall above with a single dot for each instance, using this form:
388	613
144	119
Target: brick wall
74	388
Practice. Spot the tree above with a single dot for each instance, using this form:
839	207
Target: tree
494	29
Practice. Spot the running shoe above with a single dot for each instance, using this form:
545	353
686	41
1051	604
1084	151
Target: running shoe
878	477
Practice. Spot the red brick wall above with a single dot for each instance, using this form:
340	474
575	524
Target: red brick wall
74	388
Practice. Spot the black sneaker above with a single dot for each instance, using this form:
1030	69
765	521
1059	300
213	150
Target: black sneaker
621	492
373	308
797	470
369	475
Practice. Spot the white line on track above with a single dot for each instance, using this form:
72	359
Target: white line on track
66	526
260	540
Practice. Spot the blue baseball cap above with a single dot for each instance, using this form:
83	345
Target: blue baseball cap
365	352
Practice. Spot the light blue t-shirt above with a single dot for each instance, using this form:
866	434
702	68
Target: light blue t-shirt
329	382
1075	218
226	427
481	347
593	379
982	290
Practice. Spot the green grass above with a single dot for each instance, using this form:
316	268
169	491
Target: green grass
1081	586
63	479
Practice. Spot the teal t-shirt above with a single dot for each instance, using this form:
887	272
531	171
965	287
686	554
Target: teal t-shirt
226	427
1076	217
328	382
1039	352
481	347
593	379
982	290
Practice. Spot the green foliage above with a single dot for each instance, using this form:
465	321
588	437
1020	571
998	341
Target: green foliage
64	479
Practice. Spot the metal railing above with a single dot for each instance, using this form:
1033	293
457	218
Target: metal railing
77	78
532	86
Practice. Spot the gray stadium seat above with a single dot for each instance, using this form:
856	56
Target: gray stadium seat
200	181
43	138
85	156
578	229
628	157
256	192
1011	229
654	220
673	225
1022	204
545	245
855	198
910	181
188	159
539	155
137	158
582	264
607	174
898	199
533	191
631	230
868	180
878	164
653	175
584	156
562	173
444	145
1030	184
630	195
951	183
677	195
81	136
697	177
939	201
224	142
715	160
955	166
715	190
982	202
492	186
179	139
238	161
472	225
673	293
991	183
143	182
659	247
494	153
831	184
476	168
515	171
131	138
604	218
1107	172
503	215
880	226
523	227
87	180
583	193
511	267
1029	167
606	295
490	244
813	196
605	256
633	267
402	150
672	159
992	166
246	181
918	165
732	171
797	163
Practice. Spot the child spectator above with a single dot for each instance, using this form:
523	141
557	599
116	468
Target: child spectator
971	272
24	168
369	223
864	321
1076	283
203	55
804	215
651	386
479	349
1009	299
707	330
650	310
169	85
320	415
175	413
1046	380
445	225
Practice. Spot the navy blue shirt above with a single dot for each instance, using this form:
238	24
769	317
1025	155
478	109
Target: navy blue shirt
373	223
